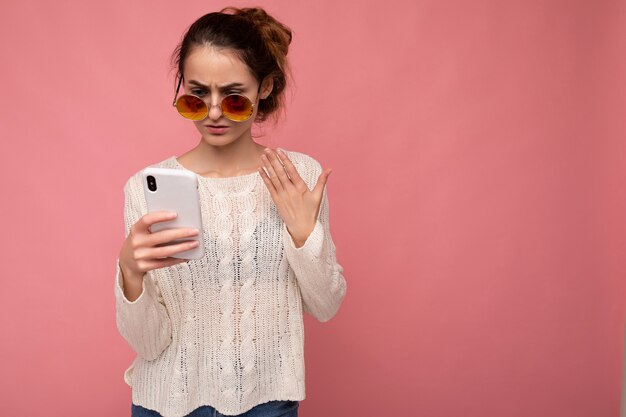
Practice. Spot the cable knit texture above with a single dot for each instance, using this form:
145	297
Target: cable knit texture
227	330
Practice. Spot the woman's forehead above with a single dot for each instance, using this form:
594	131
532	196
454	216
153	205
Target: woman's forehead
216	67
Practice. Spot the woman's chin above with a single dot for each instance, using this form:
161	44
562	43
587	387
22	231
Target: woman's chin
218	140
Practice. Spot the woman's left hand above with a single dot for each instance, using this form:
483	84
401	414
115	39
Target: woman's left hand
297	205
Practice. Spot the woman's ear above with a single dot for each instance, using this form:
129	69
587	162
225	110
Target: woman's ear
266	87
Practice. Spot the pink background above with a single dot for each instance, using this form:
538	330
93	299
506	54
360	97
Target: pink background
478	198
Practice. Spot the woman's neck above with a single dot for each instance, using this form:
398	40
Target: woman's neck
237	158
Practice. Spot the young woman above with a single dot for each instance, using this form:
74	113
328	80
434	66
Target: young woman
224	335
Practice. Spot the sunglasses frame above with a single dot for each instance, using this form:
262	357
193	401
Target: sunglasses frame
209	105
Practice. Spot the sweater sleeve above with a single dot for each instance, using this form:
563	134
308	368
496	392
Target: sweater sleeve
144	323
319	275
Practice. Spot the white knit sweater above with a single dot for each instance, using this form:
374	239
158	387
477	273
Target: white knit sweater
227	330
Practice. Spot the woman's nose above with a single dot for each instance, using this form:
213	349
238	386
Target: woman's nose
215	110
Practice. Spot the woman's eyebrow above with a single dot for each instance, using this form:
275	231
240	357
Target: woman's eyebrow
224	87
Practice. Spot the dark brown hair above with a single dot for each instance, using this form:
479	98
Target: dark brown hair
259	40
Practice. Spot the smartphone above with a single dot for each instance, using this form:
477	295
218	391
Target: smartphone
175	190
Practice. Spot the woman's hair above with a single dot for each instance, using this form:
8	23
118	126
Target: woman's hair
259	40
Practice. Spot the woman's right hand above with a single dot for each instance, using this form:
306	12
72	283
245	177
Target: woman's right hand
140	253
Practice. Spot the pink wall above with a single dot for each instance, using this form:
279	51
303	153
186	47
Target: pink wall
478	198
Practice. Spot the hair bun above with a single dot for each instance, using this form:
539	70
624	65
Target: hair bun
276	36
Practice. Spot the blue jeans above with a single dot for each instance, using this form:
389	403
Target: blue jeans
268	409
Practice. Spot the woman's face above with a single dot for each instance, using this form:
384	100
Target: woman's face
212	74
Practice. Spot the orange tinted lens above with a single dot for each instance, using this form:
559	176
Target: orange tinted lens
192	107
237	108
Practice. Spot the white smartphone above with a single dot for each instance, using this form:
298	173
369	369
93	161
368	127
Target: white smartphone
175	190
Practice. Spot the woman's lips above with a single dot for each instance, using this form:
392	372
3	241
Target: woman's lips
217	129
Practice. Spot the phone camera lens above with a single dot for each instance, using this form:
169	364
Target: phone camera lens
151	183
